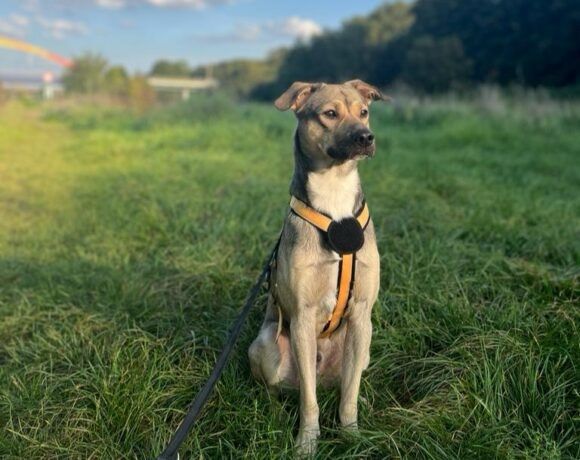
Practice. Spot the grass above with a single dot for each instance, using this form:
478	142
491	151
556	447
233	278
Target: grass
128	243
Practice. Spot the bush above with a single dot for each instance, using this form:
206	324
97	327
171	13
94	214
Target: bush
139	94
116	81
199	107
436	65
87	75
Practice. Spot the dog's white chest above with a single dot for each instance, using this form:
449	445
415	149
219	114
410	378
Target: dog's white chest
333	194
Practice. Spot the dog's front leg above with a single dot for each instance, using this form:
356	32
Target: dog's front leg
303	339
355	360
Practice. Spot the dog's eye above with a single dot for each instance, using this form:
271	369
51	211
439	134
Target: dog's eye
364	113
330	114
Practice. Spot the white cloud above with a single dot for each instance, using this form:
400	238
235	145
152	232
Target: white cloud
183	3
292	27
61	28
20	20
194	4
296	27
8	28
247	32
112	4
15	25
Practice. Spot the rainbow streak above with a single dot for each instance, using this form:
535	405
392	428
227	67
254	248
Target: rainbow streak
19	45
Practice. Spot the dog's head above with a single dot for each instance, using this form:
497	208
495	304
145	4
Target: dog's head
333	120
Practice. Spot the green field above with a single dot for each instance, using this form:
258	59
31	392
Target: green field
128	243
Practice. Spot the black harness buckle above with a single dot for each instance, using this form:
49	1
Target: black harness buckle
346	236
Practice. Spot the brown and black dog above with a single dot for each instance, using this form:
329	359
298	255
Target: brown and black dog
333	134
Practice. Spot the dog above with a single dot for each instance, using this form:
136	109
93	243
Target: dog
293	349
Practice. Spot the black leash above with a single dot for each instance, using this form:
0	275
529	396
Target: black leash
171	451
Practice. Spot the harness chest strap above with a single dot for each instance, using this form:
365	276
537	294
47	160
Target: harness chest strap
346	267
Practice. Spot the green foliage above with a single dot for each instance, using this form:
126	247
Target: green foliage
202	106
116	81
92	75
430	45
530	42
87	75
241	76
340	55
436	65
380	26
140	95
165	68
128	243
435	45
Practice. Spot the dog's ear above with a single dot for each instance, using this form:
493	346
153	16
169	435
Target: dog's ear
296	96
369	92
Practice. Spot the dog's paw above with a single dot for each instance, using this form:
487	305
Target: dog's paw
306	442
348	417
351	427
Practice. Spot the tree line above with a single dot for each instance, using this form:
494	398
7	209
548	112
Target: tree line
429	45
439	45
92	75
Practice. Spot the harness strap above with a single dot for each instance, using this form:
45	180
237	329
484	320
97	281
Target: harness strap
346	265
322	221
310	215
345	282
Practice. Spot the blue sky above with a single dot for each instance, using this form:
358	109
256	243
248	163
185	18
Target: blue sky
137	32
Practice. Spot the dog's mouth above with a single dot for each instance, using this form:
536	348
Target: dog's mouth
368	152
352	153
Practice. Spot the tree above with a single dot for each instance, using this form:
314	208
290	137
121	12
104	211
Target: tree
87	74
530	42
438	44
116	81
165	68
241	76
140	95
347	53
436	65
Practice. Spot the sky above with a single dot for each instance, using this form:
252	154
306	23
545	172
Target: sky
135	33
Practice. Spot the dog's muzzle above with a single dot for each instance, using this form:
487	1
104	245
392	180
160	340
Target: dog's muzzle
358	143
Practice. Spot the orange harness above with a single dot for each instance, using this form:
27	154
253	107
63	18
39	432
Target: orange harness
345	237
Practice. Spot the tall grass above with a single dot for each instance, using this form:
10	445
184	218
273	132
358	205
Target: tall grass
127	244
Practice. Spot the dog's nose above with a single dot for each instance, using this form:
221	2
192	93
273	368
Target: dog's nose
365	138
